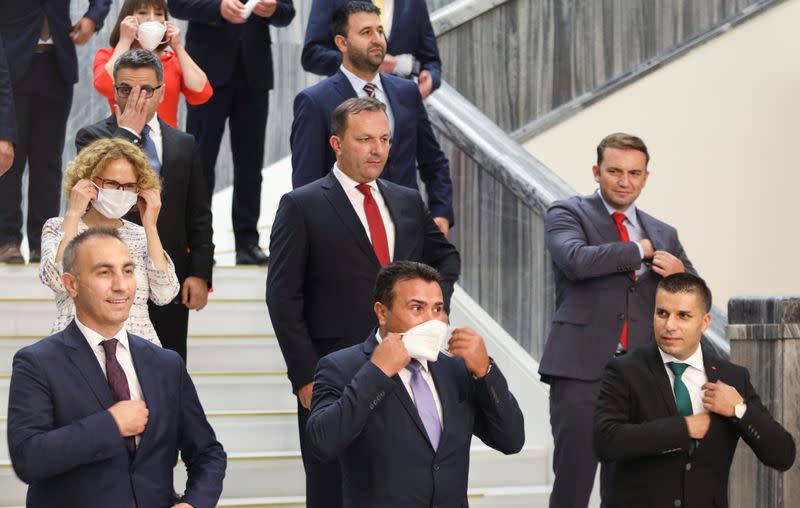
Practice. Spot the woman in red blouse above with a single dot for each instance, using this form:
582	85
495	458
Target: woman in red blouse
181	73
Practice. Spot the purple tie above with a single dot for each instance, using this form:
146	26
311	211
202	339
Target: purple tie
426	406
117	381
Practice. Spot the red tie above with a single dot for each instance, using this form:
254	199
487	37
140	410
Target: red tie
370	89
619	220
377	231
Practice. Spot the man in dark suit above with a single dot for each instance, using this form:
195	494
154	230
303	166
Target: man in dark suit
184	223
39	41
235	53
360	39
96	416
411	44
674	411
401	428
8	117
608	256
329	240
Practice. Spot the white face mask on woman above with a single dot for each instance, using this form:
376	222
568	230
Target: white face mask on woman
150	34
114	203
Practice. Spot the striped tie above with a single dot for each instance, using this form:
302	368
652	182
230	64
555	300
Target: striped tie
370	89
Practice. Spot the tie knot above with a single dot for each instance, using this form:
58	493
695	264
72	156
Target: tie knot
110	346
364	189
414	366
678	368
370	89
145	131
619	218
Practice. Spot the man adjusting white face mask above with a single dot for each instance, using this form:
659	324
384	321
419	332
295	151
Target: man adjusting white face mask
426	340
150	34
114	203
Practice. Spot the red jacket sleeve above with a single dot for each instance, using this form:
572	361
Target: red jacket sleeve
102	79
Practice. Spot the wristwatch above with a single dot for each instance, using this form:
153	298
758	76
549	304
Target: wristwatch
739	410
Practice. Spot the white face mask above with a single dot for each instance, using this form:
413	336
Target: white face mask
151	33
425	341
114	203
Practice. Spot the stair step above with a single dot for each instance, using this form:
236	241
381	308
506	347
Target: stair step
232	318
244	392
22	281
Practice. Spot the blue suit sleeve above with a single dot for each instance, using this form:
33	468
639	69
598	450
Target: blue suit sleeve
434	168
320	54
284	13
8	115
308	141
40	450
438	252
428	50
198	11
499	422
97	12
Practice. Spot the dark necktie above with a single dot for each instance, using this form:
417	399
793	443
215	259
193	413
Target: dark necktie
426	405
370	89
377	231
117	381
682	399
619	220
149	148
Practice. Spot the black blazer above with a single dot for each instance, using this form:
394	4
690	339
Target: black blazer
638	430
184	223
369	422
8	115
321	279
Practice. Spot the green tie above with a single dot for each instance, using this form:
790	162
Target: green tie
682	399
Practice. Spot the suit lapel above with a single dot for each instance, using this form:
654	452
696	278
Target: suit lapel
336	196
652	230
447	391
141	361
403	228
167	140
662	383
85	361
601	220
712	365
343	86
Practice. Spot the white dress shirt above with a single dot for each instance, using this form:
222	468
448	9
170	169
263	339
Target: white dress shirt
124	357
357	200
405	377
694	377
155	135
635	231
380	94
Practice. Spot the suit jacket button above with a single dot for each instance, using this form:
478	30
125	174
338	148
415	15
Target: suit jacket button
632	289
372	405
677	503
436	467
621	316
689	466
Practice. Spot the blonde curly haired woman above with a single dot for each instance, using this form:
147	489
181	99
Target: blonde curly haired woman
105	181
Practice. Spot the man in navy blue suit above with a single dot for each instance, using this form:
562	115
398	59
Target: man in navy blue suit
411	44
414	149
329	240
8	120
401	425
235	53
96	415
39	41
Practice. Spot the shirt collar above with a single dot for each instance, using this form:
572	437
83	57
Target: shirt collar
348	183
629	214
155	127
94	339
358	83
423	363
695	361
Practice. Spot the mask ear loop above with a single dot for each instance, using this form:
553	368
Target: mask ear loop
166	27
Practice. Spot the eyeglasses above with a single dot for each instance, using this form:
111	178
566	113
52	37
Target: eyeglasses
113	184
125	90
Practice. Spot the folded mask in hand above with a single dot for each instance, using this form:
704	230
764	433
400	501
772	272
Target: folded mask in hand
426	340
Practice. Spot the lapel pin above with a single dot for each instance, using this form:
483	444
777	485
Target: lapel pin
713	367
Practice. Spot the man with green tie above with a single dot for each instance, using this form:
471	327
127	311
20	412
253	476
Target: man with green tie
669	416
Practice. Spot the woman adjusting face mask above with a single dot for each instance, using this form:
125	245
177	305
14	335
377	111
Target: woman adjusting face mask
114	203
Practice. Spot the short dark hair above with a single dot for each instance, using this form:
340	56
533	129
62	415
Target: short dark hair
139	59
686	283
352	107
129	7
343	13
400	271
71	250
623	142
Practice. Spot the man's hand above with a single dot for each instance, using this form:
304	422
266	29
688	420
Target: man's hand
195	293
304	394
721	398
443	224
391	355
231	10
425	83
83	30
698	425
149	203
135	115
388	65
6	156
467	344
265	8
130	416
647	249
665	264
183	505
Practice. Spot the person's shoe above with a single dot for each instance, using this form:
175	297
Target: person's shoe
35	256
251	256
9	253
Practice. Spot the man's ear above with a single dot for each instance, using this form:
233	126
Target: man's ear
70	283
380	312
335	143
341	43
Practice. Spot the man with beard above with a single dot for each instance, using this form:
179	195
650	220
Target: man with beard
360	38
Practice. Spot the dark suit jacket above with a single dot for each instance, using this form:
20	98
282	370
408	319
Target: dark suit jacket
67	447
411	33
594	291
637	427
369	422
214	43
21	25
321	278
413	144
8	115
184	223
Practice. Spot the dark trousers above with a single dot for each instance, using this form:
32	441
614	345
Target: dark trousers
247	108
171	322
42	99
323	479
572	404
